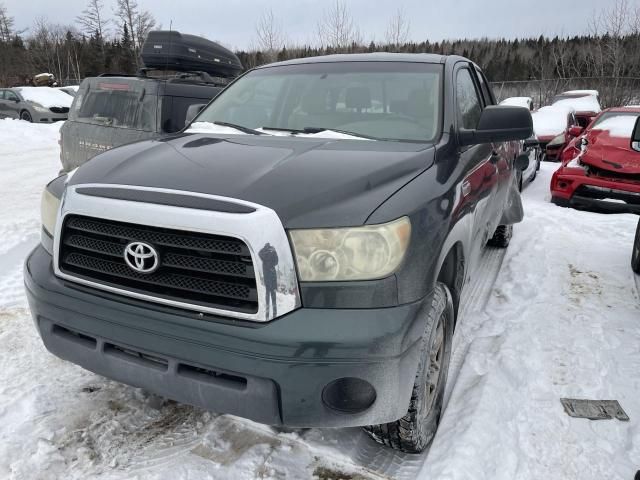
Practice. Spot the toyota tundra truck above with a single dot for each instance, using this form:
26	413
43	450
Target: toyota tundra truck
297	254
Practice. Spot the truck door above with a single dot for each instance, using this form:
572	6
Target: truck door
504	155
480	182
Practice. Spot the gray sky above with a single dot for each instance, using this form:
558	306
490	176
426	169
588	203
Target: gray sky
232	22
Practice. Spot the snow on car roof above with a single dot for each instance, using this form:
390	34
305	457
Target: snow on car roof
617	125
46	96
594	93
517	102
588	103
551	120
69	87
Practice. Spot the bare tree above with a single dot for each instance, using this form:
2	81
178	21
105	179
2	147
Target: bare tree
336	27
609	57
138	22
270	35
398	28
53	49
93	20
144	22
6	24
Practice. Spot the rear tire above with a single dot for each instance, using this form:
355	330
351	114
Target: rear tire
501	237
415	431
25	115
635	256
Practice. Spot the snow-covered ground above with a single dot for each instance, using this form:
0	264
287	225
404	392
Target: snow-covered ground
557	316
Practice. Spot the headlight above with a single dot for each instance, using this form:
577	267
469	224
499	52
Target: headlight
343	254
49	211
39	108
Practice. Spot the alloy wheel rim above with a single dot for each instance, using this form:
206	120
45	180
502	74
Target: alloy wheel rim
436	355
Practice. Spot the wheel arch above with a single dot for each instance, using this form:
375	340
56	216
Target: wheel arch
451	272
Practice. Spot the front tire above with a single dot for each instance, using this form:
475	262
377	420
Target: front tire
25	115
415	431
635	256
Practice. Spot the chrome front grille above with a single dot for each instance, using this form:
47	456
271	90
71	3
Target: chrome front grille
205	269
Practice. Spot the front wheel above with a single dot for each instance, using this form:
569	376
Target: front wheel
25	115
635	256
413	432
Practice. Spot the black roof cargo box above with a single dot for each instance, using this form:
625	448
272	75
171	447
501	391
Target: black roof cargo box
168	49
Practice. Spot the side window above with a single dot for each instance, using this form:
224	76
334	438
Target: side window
10	95
468	103
1	94
174	111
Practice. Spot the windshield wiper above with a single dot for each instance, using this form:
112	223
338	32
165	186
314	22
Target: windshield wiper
248	130
312	130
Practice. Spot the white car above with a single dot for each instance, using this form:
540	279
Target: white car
585	103
526	102
531	149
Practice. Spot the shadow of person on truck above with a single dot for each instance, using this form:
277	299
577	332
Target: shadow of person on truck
269	258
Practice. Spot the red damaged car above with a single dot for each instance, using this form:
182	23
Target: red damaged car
600	171
553	127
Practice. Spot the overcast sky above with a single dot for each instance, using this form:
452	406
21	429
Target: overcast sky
232	22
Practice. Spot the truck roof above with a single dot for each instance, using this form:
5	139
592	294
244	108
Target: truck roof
367	57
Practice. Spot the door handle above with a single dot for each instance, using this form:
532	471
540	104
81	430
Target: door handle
466	188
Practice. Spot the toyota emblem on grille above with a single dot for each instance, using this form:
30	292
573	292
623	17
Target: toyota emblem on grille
141	257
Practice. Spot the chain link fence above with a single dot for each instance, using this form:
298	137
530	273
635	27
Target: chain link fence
614	91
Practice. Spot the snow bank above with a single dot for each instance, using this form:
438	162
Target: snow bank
588	103
46	96
525	102
618	126
29	155
551	121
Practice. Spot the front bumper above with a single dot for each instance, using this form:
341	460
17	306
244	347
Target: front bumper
273	373
594	193
48	117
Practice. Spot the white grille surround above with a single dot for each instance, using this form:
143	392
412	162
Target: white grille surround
255	229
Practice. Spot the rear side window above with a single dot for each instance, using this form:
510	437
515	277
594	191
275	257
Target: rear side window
174	111
468	103
115	105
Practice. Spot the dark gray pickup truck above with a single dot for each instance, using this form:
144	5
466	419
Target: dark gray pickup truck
297	255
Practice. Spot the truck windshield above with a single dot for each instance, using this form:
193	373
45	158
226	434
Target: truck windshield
378	100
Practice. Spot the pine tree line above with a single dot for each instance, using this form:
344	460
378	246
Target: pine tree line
98	43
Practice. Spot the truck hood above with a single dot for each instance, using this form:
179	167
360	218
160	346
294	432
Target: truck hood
610	152
308	182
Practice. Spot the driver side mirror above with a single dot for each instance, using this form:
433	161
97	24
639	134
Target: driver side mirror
635	136
192	112
499	123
